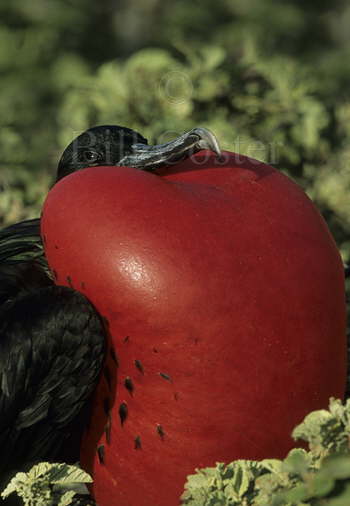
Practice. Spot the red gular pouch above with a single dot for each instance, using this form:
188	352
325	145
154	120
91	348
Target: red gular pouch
224	294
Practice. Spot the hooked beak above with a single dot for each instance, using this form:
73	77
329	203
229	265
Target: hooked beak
149	158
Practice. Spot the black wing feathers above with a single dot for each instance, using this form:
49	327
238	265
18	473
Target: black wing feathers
23	267
51	352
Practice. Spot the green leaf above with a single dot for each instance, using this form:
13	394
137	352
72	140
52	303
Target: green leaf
320	485
296	494
297	462
47	483
271	465
241	478
66	498
343	499
325	431
14	485
65	474
336	466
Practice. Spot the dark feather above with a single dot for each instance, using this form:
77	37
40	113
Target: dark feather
43	394
23	267
51	352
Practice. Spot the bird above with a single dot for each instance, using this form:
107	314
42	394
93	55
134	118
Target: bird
52	339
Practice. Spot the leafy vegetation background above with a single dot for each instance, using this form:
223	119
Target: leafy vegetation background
270	78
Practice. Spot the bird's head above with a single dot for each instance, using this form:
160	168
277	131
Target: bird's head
116	145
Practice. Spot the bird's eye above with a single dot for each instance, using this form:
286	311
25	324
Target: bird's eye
91	156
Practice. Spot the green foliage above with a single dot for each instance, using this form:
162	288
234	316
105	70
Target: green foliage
269	78
47	484
318	477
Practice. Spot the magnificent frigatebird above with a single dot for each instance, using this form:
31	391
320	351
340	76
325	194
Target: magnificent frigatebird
52	341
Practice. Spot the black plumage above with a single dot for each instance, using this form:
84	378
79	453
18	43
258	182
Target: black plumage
51	353
101	145
23	267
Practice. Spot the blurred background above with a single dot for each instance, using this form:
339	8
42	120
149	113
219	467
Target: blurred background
269	78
